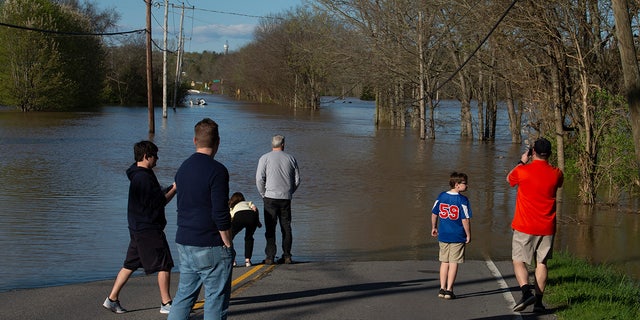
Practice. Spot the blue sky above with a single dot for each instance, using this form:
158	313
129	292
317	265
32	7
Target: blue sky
208	24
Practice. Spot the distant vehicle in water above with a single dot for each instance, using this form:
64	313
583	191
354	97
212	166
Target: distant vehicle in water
197	102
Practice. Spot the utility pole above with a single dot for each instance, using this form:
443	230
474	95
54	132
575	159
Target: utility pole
164	60
179	61
152	126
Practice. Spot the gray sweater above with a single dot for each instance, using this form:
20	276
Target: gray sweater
277	176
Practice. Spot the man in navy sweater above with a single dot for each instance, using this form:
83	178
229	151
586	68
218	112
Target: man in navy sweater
203	237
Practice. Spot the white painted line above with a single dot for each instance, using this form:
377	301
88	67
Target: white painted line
503	285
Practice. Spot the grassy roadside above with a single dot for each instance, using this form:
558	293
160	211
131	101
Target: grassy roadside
579	290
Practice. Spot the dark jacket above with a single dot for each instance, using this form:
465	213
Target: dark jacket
145	210
203	201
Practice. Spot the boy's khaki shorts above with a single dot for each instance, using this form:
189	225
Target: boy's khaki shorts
452	252
525	246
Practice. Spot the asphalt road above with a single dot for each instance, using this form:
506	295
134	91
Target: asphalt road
303	290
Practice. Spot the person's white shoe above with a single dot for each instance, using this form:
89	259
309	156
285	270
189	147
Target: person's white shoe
113	306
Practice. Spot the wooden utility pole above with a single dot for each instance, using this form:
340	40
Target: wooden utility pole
178	62
152	125
164	60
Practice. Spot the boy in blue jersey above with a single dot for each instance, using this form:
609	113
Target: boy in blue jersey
450	223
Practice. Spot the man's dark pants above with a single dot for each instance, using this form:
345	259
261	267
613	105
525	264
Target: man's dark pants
277	210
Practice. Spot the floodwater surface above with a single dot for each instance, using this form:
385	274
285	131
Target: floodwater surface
366	192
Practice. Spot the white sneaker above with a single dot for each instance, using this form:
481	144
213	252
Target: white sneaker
165	308
114	306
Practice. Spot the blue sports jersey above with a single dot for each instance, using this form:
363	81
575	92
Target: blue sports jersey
451	208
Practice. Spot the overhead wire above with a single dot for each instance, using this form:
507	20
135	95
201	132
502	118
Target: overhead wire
192	20
495	26
239	14
455	23
161	26
71	33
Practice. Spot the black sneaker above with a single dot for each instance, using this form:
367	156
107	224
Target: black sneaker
527	300
441	293
285	260
539	308
449	295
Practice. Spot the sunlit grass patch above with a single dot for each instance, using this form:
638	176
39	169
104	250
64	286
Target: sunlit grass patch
579	290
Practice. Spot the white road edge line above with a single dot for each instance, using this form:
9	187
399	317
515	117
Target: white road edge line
503	285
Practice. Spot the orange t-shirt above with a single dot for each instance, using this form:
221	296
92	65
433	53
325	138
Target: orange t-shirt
536	199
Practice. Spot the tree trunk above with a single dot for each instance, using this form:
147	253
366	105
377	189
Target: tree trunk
421	94
432	125
557	106
514	116
491	112
466	125
481	104
492	102
376	120
629	69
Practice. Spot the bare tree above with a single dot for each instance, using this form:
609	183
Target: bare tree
404	46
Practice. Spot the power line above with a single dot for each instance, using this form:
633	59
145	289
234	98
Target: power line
157	4
238	14
495	26
71	33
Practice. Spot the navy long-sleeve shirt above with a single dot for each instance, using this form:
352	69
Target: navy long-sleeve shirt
203	201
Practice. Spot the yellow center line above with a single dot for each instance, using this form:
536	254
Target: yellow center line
246	275
200	303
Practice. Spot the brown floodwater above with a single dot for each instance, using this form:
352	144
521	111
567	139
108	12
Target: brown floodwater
366	192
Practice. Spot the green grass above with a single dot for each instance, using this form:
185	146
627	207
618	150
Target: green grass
579	290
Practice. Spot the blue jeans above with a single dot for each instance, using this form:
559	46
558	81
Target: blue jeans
208	266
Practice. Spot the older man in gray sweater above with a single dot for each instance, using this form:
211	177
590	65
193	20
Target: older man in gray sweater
277	178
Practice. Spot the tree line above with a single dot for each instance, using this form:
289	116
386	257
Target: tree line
555	66
52	58
563	70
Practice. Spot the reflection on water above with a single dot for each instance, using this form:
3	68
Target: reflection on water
366	193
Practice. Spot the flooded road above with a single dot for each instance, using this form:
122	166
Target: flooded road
366	192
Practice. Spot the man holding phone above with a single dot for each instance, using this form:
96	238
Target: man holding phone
534	221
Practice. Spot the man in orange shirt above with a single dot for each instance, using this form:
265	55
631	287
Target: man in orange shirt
534	221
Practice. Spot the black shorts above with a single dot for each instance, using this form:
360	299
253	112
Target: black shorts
148	250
